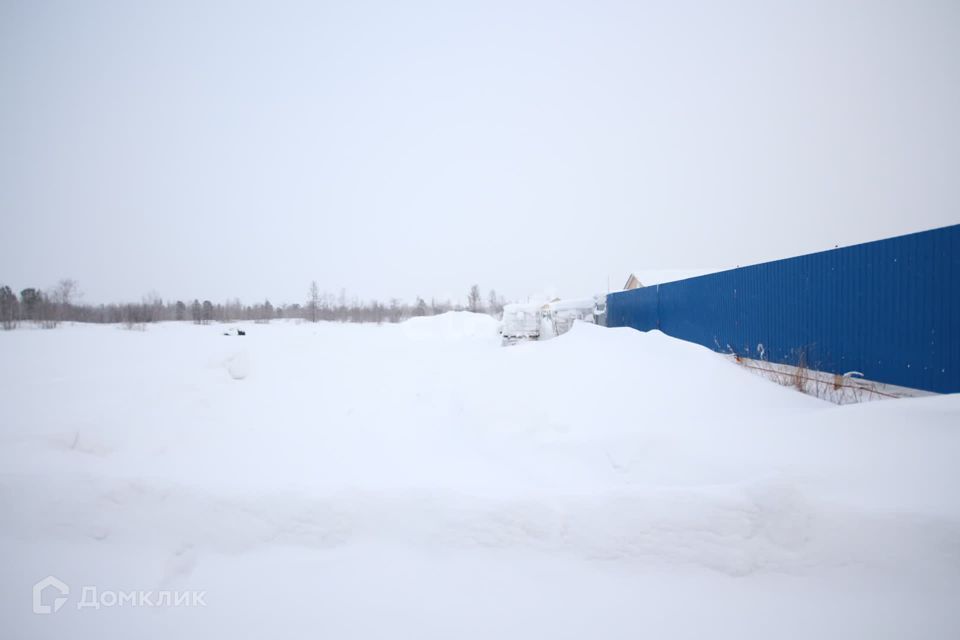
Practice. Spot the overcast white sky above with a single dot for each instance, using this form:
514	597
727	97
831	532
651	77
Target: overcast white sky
205	149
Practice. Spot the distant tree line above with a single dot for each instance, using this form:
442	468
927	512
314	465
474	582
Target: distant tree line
60	303
45	308
321	305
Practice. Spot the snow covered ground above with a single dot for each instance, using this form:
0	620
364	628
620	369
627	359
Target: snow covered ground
420	481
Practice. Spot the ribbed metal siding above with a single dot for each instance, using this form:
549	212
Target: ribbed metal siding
636	308
889	309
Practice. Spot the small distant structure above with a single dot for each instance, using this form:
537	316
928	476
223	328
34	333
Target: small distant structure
661	276
633	282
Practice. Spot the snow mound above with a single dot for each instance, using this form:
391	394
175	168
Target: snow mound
657	374
453	326
238	365
565	488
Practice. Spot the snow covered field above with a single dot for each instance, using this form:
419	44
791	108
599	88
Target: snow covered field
420	481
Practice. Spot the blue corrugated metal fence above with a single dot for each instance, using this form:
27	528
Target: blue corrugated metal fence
889	309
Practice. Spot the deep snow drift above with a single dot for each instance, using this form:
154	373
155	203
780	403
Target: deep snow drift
418	480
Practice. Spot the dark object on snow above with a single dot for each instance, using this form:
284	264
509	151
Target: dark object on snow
241	332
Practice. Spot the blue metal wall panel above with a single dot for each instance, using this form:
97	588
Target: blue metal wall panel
889	309
636	308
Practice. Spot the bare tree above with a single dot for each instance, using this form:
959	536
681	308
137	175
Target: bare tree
61	298
65	291
474	300
152	307
313	301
